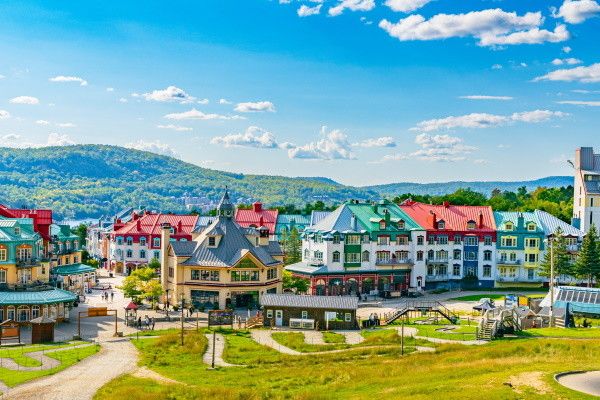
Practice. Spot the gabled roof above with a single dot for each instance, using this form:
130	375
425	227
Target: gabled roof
183	249
262	217
203	221
338	220
287	220
232	247
150	224
371	214
8	225
502	217
300	301
550	223
454	217
317	216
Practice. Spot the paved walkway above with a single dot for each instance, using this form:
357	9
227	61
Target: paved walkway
352	337
82	380
314	337
586	382
219	348
413	332
264	337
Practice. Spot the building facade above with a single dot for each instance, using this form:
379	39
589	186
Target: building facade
23	257
257	217
363	248
586	206
224	264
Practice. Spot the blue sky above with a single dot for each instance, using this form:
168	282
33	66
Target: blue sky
362	91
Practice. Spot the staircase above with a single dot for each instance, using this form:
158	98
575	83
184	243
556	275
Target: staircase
486	330
253	322
419	306
497	322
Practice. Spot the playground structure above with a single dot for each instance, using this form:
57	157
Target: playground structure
499	321
422	308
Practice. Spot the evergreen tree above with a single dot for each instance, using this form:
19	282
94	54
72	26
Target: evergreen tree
562	261
587	265
293	249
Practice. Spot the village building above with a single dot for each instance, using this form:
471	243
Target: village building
98	234
224	265
22	253
310	312
257	217
137	242
363	248
287	222
586	200
24	303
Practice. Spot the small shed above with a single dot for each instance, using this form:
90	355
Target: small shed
42	330
131	314
310	312
10	330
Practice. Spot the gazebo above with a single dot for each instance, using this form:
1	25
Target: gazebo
131	313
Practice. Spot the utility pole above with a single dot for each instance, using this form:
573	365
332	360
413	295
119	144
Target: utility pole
551	281
402	338
182	303
214	346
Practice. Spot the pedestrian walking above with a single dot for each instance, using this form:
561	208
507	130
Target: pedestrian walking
153	323
139	323
112	296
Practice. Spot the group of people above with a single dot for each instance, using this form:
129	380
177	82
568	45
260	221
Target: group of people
105	296
147	323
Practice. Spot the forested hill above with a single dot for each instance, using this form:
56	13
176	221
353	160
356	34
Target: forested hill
91	180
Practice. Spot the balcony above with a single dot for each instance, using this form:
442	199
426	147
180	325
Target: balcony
314	261
395	261
437	278
27	262
437	260
508	262
573	247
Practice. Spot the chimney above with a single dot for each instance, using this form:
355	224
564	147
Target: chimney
257	207
134	216
179	227
353	222
446	204
433	220
138	224
261	222
387	216
374	207
480	220
520	221
165	238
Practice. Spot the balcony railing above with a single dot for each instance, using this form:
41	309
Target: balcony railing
573	247
27	262
437	278
394	261
437	260
508	262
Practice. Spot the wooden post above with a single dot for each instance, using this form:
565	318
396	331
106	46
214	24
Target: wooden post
116	322
214	347
402	339
182	320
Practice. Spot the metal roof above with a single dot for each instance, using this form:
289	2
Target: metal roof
36	297
550	223
317	216
454	217
321	302
502	217
72	269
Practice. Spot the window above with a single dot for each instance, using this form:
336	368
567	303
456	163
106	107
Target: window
430	255
383	240
336	239
306	253
318	255
530	273
401	255
10	312
381	225
471	225
244	276
143	241
336	256
304	314
441	255
487	255
529	242
470	256
401	224
272	273
457	254
487	241
419	255
2	276
348	317
402	240
3	254
366	239
128	241
269	313
443	239
508	226
441	225
212	241
420	240
509	241
352	239
352	257
366	256
531	258
531	227
142	253
383	256
457	239
156	242
487	271
35	312
456	270
204	275
471	241
513	256
129	254
431	240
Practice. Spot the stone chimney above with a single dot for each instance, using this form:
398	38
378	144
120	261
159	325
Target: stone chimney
165	238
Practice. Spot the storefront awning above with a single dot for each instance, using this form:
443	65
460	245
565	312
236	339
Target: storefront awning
72	269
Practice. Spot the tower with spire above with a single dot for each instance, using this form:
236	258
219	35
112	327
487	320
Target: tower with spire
225	208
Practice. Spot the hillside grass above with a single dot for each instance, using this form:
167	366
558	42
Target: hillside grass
583	333
501	370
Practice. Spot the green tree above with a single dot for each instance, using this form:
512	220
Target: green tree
557	249
293	247
154	264
81	232
142	284
587	265
295	283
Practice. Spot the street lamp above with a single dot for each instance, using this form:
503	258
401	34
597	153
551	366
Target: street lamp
551	241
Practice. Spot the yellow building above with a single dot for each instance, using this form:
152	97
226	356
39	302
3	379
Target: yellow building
224	264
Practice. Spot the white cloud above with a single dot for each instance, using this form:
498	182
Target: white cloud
581	103
306	11
366	21
62	78
170	94
25	100
56	139
4	114
42	122
123	100
2	76
53	139
481	161
568	61
257	106
443	148
584	91
578	74
483	120
384	141
566	49
156	147
66	125
224	101
334	146
352	5
406	6
110	89
203	101
9	139
577	11
485	97
177	128
497	66
252	137
492	27
199	115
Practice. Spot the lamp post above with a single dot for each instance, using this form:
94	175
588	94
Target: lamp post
182	316
551	281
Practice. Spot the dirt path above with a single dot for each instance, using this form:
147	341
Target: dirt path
146	373
82	380
352	337
219	348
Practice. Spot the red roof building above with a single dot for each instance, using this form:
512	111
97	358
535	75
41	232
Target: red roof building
148	226
451	219
42	219
257	217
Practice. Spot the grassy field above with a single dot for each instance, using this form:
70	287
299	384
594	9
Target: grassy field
494	296
516	369
295	341
332	337
587	333
67	358
460	332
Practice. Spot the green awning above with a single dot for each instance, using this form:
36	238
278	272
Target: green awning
51	296
72	269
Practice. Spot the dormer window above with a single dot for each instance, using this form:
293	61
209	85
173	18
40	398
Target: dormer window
471	225
401	224
172	231
441	225
212	241
156	242
381	225
17	230
531	226
509	226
